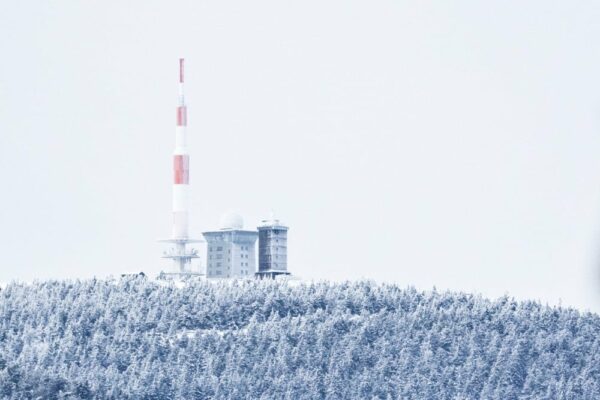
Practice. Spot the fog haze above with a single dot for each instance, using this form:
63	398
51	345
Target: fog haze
428	144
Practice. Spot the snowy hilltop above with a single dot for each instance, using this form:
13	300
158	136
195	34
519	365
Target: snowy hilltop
138	339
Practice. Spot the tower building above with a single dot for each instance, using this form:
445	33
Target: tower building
179	253
272	249
231	249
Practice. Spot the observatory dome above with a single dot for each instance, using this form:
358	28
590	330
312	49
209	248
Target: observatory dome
231	220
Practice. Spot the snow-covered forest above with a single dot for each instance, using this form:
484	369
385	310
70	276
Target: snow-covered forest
136	338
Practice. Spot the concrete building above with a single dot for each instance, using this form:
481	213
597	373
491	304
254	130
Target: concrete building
230	250
272	249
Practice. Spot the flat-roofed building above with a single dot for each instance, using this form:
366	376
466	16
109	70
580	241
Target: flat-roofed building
231	249
272	249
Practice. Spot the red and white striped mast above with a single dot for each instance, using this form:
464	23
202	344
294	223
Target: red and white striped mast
181	167
181	175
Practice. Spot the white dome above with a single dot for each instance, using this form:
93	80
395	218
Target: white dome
231	220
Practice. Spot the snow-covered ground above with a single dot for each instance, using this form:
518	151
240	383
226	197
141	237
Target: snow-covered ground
182	282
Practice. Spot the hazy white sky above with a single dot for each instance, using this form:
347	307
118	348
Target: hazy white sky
426	143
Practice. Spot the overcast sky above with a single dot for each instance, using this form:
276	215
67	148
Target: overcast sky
453	144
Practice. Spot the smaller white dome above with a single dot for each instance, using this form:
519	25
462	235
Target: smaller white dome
231	220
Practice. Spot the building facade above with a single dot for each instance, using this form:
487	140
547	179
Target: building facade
230	250
272	249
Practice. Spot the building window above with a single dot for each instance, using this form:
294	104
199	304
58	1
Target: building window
218	264
220	248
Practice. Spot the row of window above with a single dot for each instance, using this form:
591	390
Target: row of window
273	265
218	272
220	248
272	251
282	240
218	263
